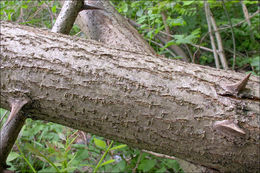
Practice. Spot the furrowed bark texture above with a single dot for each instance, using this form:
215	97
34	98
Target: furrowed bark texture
144	101
109	27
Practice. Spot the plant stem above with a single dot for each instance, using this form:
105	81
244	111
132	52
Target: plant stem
104	155
27	161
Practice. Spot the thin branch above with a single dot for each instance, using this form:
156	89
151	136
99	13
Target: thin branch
3	116
67	16
233	35
138	161
245	11
215	53
239	23
189	51
210	50
50	12
199	46
159	155
167	28
219	42
160	45
204	48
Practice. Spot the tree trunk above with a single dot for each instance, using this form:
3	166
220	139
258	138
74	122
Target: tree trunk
109	27
147	102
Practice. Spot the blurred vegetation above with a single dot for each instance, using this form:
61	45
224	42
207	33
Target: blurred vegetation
49	147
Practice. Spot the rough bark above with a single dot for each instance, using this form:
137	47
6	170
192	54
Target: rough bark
92	25
147	102
109	27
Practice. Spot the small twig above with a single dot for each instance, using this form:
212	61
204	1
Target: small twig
233	35
160	155
212	40
35	13
245	11
189	51
50	12
138	161
241	22
3	117
199	46
221	52
167	28
160	45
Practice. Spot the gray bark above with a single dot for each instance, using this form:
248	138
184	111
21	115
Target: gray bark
109	27
147	102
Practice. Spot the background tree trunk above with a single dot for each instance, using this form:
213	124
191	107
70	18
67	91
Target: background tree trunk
109	27
148	102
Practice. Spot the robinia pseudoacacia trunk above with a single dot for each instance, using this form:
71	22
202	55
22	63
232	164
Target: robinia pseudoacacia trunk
193	112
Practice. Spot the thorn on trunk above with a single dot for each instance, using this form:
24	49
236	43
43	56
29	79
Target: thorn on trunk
16	106
230	127
238	87
89	7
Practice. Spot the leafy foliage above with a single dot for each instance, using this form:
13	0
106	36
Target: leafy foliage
188	26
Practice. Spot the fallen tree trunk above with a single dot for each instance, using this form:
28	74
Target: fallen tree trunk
148	102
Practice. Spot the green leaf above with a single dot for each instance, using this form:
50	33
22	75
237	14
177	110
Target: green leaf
124	8
150	34
177	22
163	169
174	165
53	9
139	12
12	156
172	42
89	165
107	162
9	16
118	147
100	143
24	6
49	169
186	3
256	61
147	165
120	167
141	19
